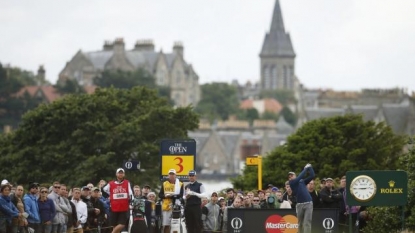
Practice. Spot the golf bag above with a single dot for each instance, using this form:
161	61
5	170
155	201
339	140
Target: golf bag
178	224
137	222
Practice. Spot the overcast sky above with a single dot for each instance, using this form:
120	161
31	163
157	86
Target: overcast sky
343	44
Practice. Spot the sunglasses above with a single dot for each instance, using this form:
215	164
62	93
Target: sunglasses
57	187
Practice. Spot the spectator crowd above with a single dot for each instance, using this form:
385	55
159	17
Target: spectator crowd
60	209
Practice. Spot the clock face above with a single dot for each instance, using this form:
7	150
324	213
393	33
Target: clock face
363	188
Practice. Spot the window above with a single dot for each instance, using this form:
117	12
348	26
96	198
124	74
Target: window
178	77
79	77
267	78
274	79
285	76
161	77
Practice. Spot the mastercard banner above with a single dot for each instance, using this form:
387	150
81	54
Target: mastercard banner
279	221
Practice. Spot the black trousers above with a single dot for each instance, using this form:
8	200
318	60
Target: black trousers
193	215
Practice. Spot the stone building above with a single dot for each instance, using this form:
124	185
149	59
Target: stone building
169	69
393	106
277	57
222	147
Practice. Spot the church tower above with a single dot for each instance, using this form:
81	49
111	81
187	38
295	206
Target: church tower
277	56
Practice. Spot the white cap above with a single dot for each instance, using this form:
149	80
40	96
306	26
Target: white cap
3	182
172	171
120	170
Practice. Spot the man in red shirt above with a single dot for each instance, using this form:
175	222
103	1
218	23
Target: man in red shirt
120	195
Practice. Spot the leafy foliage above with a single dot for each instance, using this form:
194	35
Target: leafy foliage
388	219
250	114
283	96
84	138
267	115
219	100
125	79
333	146
70	87
12	79
289	116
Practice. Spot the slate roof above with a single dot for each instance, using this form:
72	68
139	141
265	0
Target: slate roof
283	127
277	42
369	112
396	116
99	59
201	139
137	58
229	141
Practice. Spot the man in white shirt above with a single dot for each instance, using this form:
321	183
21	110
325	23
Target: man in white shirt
81	210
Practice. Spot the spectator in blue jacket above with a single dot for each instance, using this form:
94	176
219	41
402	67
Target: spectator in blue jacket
47	210
7	209
32	208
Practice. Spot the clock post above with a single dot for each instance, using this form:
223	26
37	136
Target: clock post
376	188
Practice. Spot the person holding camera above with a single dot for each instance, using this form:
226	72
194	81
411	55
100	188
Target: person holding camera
304	207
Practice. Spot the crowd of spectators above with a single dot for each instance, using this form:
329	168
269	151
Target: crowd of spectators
56	208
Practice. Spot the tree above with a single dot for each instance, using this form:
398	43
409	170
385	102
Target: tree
283	96
70	87
333	146
84	138
125	79
267	115
219	100
12	107
250	114
388	218
289	116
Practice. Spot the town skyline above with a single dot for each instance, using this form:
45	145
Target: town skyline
343	45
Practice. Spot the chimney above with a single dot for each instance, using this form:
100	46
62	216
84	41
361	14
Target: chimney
178	48
119	46
144	45
41	75
108	45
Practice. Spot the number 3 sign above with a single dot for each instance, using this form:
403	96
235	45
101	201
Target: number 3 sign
179	155
183	164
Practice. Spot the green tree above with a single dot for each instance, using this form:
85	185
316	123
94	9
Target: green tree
250	114
70	87
289	116
388	219
84	138
12	107
219	100
125	79
283	96
333	146
267	115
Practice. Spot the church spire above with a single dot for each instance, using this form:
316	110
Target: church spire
277	42
277	24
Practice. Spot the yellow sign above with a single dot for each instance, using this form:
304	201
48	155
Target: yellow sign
182	163
252	161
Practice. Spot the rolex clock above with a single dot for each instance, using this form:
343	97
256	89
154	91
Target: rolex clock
363	188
